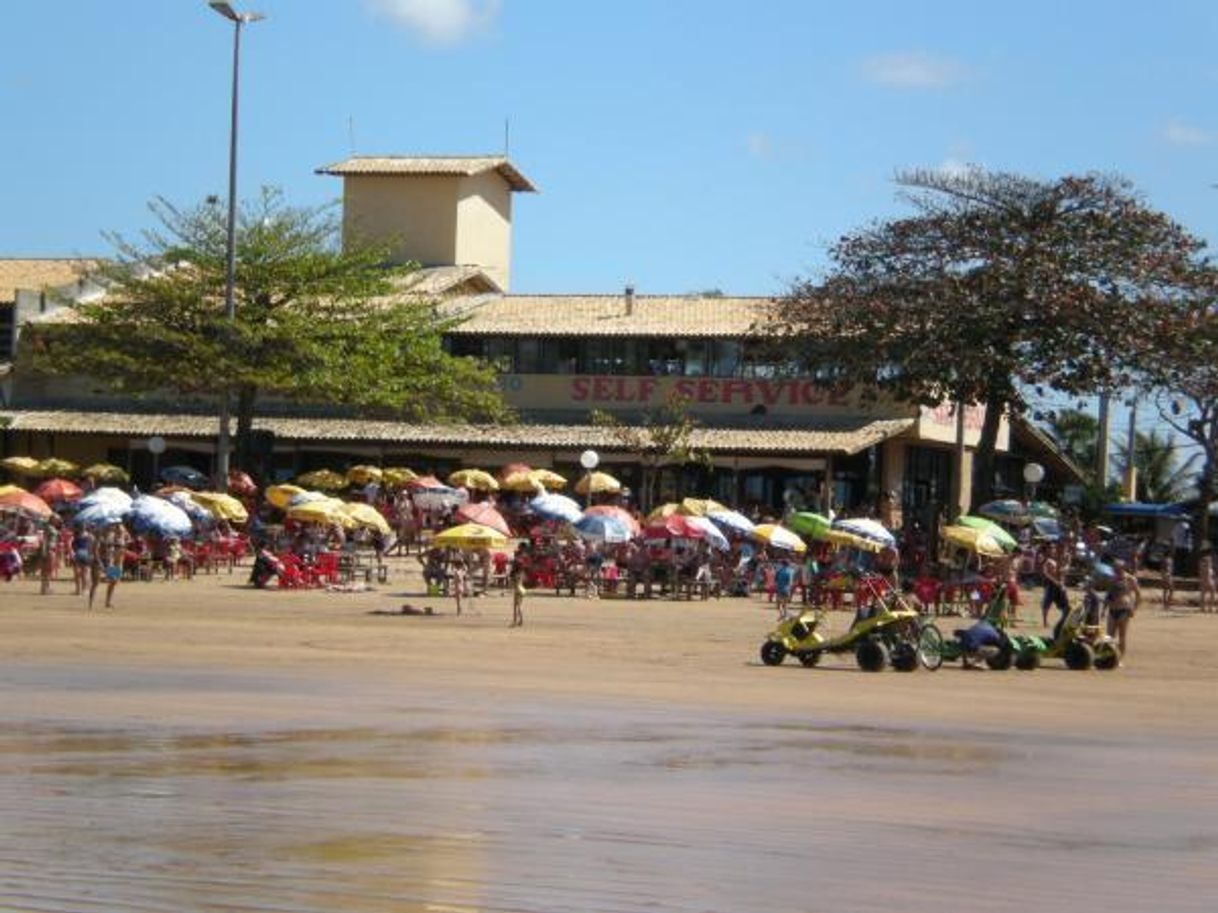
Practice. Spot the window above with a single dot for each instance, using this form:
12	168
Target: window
500	351
528	356
724	358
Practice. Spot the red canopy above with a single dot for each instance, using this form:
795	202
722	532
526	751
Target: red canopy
484	514
53	490
676	526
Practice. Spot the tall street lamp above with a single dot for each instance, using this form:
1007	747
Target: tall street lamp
230	311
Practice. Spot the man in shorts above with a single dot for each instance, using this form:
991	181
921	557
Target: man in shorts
1055	587
784	584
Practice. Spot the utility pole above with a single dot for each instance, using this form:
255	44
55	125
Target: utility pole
1101	444
1131	468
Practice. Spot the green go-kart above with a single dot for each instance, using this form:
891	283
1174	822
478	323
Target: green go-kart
986	641
1077	640
890	632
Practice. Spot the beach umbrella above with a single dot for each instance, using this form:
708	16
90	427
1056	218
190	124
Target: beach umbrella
223	506
320	510
809	524
609	510
522	480
10	489
1006	511
240	483
184	475
485	514
21	465
664	510
512	469
733	521
107	494
366	515
779	537
325	479
677	526
397	476
150	514
1043	509
430	493
280	495
193	509
100	513
598	483
309	497
867	528
555	507
422	483
55	490
365	475
999	535
711	533
975	540
549	479
23	502
53	467
474	480
470	536
699	507
602	528
106	473
850	540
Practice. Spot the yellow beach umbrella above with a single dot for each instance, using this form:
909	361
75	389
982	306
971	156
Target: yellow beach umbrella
106	473
54	468
325	479
280	495
850	540
329	510
777	536
476	479
521	480
699	507
11	490
663	512
364	475
470	536
366	515
397	476
975	540
598	483
549	479
223	506
21	465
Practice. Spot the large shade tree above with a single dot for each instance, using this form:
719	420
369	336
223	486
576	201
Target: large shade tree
995	286
314	323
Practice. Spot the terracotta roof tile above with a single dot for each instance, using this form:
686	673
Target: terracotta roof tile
456	165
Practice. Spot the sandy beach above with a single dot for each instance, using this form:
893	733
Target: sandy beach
206	746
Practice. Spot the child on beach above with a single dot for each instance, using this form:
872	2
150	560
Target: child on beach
460	579
784	583
1205	581
517	580
1169	583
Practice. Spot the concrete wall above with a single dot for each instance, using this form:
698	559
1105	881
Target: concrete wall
484	226
418	215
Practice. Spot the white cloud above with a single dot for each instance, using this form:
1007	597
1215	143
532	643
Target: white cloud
759	145
913	70
1179	133
439	22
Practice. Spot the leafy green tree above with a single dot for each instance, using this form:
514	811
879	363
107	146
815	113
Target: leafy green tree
661	437
1077	434
314	324
1162	476
997	285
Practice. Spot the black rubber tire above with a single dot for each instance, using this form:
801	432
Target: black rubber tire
1027	660
773	653
1107	657
1002	660
1079	656
871	655
808	660
904	657
930	647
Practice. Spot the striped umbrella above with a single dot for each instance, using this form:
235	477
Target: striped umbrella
602	528
866	528
999	535
779	537
733	521
609	510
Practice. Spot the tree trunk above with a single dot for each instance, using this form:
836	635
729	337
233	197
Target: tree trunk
983	456
246	397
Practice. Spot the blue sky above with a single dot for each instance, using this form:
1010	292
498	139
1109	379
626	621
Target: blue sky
678	144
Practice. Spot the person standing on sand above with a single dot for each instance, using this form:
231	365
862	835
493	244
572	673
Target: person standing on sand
1168	580
460	579
1123	600
784	583
1055	589
1208	595
108	562
518	592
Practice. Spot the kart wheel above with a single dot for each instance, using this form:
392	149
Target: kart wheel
930	647
808	660
1107	657
1003	659
1079	656
904	657
1026	660
773	653
872	656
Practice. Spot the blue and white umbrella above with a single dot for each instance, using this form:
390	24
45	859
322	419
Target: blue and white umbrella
711	533
100	513
150	514
732	521
105	495
601	528
184	475
193	509
556	507
865	528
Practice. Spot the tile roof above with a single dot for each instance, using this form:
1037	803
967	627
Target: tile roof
607	315
457	165
436	281
838	438
36	274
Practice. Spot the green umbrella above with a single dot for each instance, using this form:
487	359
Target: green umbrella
997	533
809	524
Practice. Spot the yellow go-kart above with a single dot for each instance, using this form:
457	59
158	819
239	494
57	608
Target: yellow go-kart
889	631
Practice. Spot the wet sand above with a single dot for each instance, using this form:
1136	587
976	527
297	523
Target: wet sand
209	747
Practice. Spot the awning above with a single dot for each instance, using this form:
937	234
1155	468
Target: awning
839	438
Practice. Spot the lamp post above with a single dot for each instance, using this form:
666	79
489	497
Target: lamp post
230	249
589	459
1033	473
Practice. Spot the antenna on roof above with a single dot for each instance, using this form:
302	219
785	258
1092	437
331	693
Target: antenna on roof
351	132
507	136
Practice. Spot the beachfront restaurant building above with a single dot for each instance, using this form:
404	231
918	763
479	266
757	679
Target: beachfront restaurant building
775	437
